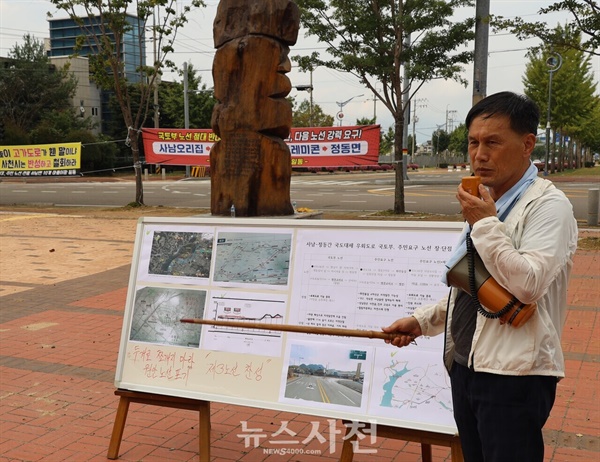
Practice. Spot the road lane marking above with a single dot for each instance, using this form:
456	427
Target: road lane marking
324	396
349	399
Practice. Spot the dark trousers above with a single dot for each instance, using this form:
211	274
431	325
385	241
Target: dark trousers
500	417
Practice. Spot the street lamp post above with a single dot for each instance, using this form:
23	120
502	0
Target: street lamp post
309	89
341	105
553	63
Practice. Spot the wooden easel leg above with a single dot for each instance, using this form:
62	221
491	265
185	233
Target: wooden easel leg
426	452
204	431
119	426
456	452
347	449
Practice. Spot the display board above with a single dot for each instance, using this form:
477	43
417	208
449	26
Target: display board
342	274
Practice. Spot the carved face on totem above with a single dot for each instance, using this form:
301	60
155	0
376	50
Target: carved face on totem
252	40
252	94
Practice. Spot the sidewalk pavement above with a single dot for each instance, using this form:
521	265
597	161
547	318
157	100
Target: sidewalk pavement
63	285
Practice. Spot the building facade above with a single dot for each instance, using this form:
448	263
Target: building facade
88	97
67	34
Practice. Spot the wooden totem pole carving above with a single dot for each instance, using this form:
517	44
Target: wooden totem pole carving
251	164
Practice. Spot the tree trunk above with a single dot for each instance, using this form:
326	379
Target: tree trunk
137	166
399	164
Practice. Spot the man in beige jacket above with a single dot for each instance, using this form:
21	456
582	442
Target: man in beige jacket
504	378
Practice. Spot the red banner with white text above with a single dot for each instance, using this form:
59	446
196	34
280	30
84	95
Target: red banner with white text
310	147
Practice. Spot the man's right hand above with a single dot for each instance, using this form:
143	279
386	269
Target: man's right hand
407	329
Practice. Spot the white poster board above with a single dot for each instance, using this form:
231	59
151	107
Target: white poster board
343	274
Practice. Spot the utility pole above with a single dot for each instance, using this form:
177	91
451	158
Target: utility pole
186	107
423	102
310	119
437	144
449	119
374	108
480	61
156	77
406	109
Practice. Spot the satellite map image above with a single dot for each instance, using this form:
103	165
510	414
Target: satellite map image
181	254
157	312
259	258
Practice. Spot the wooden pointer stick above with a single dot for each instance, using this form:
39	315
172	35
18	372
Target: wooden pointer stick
301	329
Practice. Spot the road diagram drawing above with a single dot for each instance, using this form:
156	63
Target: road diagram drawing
411	385
182	254
157	313
267	309
253	258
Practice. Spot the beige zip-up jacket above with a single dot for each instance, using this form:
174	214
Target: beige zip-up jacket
531	255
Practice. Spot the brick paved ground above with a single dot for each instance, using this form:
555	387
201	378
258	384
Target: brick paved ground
63	284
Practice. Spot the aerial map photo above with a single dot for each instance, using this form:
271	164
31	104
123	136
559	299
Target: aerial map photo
157	313
181	254
253	258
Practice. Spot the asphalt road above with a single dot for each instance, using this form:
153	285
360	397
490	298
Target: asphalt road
322	390
368	192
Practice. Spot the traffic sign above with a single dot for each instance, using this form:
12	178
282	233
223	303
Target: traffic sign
358	354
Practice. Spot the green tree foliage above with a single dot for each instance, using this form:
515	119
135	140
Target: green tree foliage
385	145
97	154
573	101
366	121
538	153
411	144
35	96
590	137
440	141
369	40
585	18
200	102
14	135
104	31
56	125
459	143
113	125
301	115
387	141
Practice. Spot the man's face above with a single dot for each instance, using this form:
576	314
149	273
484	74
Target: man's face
498	154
